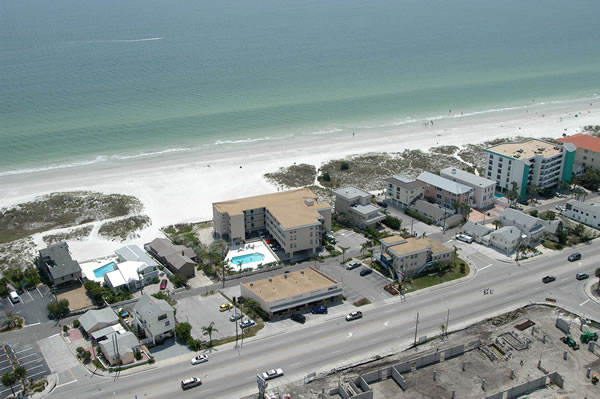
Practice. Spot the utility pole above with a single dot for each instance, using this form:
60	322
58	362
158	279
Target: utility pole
223	264
412	221
416	327
447	321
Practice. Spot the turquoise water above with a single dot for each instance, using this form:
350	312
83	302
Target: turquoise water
91	81
101	271
248	258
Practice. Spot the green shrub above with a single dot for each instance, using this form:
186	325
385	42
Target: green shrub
151	360
194	344
418	216
183	331
392	222
138	355
97	363
76	323
86	356
362	302
179	281
344	165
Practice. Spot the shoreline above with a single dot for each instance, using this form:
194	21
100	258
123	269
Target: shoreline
181	186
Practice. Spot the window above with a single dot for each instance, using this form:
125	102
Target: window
162	316
167	323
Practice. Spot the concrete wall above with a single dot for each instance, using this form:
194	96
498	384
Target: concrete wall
563	325
557	379
372	376
403	367
526	387
498	395
398	378
454	351
428	359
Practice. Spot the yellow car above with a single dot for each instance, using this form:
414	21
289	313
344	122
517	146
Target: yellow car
225	306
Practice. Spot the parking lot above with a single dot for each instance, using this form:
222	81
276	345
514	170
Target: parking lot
28	356
32	305
355	285
349	239
199	311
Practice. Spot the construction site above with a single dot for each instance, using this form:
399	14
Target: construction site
536	352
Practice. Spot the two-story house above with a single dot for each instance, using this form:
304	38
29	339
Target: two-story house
356	204
56	264
154	319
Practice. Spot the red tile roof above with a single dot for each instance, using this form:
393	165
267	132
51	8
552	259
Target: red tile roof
583	141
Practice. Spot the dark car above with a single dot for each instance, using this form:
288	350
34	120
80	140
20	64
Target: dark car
382	204
574	257
365	272
163	284
319	310
582	276
548	279
297	317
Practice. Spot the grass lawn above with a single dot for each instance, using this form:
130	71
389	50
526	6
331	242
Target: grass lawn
431	280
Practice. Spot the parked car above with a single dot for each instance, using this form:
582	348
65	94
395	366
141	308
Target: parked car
319	310
200	359
163	284
190	383
247	323
353	265
560	208
382	204
297	317
235	317
14	297
464	238
329	237
548	279
269	375
224	307
365	272
574	257
354	316
582	276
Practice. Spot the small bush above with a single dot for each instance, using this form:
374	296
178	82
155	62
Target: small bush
86	356
183	331
97	363
138	355
65	328
80	350
344	166
392	222
76	323
362	302
151	360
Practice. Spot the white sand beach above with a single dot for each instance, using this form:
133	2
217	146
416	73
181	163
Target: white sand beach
180	187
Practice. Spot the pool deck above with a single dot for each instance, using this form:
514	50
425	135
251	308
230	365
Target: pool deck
88	267
250	248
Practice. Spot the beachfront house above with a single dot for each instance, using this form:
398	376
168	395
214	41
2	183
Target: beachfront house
356	204
154	319
587	154
529	162
444	192
135	253
131	276
295	219
482	197
403	191
177	258
56	264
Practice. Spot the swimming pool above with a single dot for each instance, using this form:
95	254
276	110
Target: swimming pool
248	258
101	271
498	195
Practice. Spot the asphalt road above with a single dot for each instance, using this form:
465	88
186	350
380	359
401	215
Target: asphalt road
386	326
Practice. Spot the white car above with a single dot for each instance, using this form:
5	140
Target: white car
354	316
560	208
200	359
464	238
269	375
247	323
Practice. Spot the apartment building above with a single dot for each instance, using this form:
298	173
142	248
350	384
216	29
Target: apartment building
447	193
403	191
292	291
582	212
295	219
587	154
529	162
410	256
356	204
483	189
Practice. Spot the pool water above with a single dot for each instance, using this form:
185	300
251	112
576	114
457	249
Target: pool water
101	271
498	195
248	258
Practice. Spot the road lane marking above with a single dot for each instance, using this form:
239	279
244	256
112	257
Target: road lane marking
34	324
26	349
316	332
31	361
39	292
485	267
295	364
448	241
390	311
387	323
29	295
350	334
336	352
66	383
42	372
583	303
41	365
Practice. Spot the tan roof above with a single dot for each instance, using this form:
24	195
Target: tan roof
290	208
418	244
296	283
529	149
392	239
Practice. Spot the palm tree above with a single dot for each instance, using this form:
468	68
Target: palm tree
209	330
21	373
597	273
497	223
344	249
363	247
8	380
240	263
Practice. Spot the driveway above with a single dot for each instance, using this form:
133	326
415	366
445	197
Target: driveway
26	355
32	307
349	239
200	310
355	285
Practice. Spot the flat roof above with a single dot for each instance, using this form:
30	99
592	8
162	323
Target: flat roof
443	183
584	141
467	177
393	239
526	149
290	208
412	244
290	284
351	192
405	181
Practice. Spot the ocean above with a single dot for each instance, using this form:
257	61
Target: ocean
91	81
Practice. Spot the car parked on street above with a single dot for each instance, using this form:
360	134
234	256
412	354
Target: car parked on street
365	272
582	276
235	316
574	257
269	375
297	317
560	208
190	383
247	323
224	307
163	284
319	310
200	359
464	238
548	279
354	315
353	265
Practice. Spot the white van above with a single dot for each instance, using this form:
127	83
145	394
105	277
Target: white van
14	298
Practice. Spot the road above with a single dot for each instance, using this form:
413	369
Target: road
387	326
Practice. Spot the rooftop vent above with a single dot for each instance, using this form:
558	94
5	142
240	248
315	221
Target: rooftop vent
301	271
270	280
517	155
251	284
309	201
520	150
453	171
285	276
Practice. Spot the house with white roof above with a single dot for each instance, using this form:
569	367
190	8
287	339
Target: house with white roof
154	319
447	193
483	189
131	275
134	252
356	204
532	228
505	239
476	230
94	320
403	190
586	213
